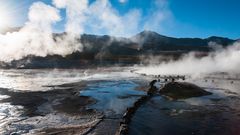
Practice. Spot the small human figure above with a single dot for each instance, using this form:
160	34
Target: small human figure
183	78
166	79
152	88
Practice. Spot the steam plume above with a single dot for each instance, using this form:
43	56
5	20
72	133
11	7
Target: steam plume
36	38
99	17
223	60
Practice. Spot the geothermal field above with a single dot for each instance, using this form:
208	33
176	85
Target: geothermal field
119	67
102	100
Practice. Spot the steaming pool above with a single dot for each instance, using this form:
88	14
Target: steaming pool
94	101
113	96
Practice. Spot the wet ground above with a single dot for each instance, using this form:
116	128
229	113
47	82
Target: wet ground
93	101
85	103
160	116
217	114
29	111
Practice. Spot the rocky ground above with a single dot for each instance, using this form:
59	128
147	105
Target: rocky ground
62	110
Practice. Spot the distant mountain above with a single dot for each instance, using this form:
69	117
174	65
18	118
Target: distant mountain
103	50
153	41
148	42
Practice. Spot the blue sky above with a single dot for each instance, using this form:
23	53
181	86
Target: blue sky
183	18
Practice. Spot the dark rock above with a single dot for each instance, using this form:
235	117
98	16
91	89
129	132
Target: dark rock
182	90
152	88
75	105
152	83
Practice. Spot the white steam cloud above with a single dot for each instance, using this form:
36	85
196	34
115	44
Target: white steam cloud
99	17
76	10
159	14
104	18
36	38
223	60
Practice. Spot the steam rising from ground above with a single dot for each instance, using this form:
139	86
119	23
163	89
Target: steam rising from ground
36	38
223	60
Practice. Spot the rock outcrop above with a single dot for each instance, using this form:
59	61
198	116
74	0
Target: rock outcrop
182	90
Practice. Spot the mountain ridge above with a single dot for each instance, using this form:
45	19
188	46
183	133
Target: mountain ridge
107	49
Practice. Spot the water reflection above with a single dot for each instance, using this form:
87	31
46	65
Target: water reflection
113	97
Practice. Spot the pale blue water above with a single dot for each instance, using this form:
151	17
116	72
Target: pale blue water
113	97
